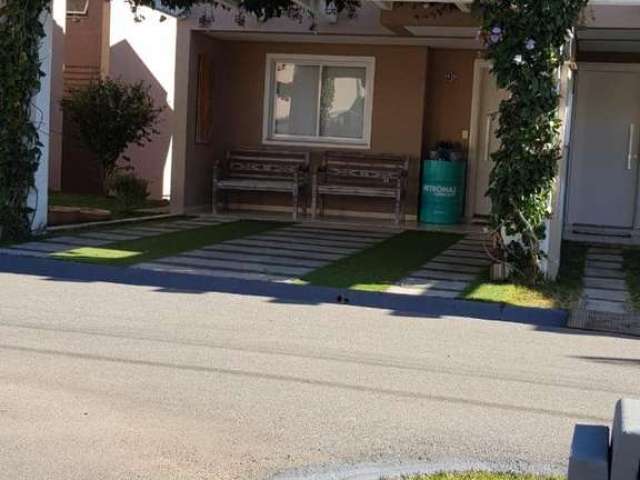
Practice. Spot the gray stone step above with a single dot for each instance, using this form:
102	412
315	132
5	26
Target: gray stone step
440	293
80	242
420	292
189	224
456	260
467	247
366	234
351	241
449	267
605	283
141	232
44	246
154	230
465	253
441	275
23	253
604	273
601	294
312	255
424	284
601	257
605	250
206	221
600	264
255	257
234	266
605	306
311	243
110	236
291	246
212	272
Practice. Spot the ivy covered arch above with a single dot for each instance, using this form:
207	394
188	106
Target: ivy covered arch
524	40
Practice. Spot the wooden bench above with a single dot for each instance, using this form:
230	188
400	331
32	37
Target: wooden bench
261	170
361	175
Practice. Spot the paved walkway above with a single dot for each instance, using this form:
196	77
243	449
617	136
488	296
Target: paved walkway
98	238
450	273
280	255
605	286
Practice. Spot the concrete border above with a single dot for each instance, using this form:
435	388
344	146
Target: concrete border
111	223
283	292
623	323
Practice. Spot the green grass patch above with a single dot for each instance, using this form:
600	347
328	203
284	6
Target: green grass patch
378	267
146	249
632	269
562	293
481	476
59	199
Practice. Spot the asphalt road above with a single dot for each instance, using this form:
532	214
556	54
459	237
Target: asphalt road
110	381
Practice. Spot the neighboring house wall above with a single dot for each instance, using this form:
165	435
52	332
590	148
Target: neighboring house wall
58	11
146	50
82	64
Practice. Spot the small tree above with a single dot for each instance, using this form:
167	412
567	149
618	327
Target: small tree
109	115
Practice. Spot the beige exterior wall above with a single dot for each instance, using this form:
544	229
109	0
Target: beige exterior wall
397	119
199	156
449	95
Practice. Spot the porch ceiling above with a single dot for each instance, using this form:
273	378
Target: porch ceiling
436	39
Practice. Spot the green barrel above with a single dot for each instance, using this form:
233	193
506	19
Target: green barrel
442	198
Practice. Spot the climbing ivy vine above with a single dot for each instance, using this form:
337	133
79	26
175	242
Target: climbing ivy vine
525	41
21	31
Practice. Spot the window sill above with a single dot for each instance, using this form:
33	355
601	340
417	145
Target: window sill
332	145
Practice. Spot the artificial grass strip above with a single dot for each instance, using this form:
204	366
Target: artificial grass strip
563	293
632	268
378	267
481	476
130	252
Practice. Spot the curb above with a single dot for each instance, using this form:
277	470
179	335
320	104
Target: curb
283	292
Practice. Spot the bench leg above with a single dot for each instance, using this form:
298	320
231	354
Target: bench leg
295	203
398	210
214	198
314	201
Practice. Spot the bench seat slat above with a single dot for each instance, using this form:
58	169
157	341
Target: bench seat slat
356	191
257	184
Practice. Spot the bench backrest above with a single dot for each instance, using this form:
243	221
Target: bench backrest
364	169
267	164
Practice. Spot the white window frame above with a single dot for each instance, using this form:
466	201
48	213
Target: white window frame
79	13
269	137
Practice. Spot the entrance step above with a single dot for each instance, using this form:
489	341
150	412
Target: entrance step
604	273
606	283
609	295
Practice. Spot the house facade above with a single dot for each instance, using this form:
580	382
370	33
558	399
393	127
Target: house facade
396	79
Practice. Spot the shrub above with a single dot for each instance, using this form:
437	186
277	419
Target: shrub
109	115
129	191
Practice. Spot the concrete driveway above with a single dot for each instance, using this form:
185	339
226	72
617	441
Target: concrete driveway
110	381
